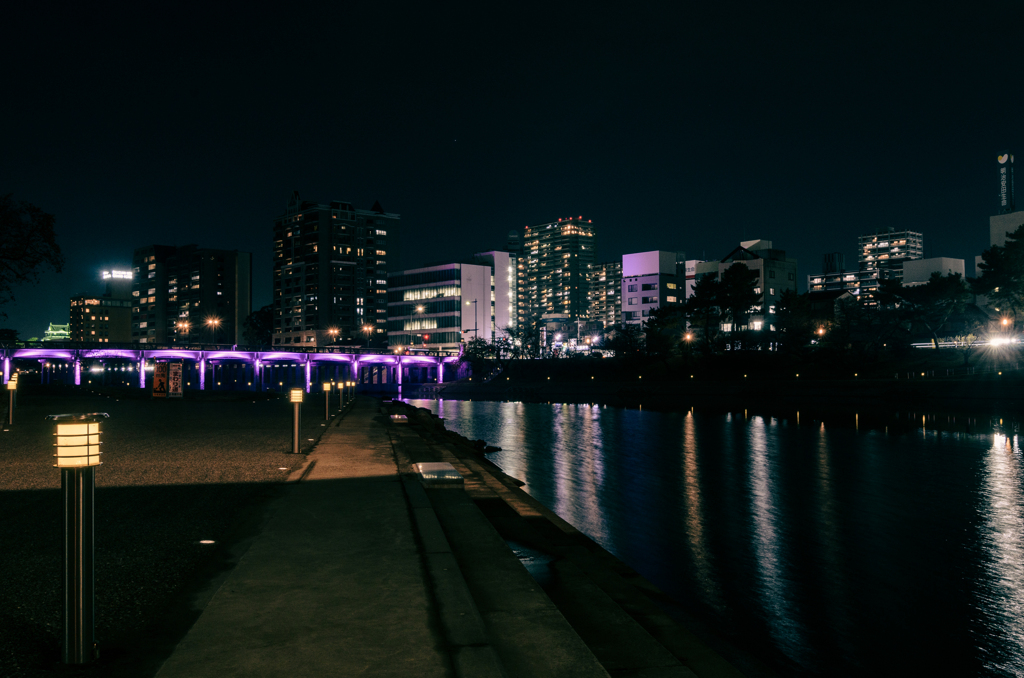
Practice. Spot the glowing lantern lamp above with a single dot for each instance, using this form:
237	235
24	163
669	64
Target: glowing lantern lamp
78	455
295	395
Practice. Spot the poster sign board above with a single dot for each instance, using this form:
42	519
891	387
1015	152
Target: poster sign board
160	380
174	389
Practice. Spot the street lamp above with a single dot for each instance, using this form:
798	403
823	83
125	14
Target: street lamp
214	325
419	309
476	333
368	329
333	331
183	325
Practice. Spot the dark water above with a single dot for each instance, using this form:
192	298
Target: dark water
895	547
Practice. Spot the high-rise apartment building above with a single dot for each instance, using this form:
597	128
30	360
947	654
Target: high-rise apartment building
514	247
190	295
331	264
606	293
558	258
885	251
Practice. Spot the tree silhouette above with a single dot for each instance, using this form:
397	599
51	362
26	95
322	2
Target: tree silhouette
1002	275
27	245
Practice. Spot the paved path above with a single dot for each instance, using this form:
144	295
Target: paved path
334	585
360	571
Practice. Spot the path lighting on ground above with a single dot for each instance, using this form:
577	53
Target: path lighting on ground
295	395
78	455
327	400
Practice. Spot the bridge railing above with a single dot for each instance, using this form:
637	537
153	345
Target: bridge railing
89	346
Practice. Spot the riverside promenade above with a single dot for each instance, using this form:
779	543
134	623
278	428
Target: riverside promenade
359	570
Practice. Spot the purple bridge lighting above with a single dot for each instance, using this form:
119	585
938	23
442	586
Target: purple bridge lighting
259	370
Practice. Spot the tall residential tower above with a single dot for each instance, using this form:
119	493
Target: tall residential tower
331	265
558	258
190	294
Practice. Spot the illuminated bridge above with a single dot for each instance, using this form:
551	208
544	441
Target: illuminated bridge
229	367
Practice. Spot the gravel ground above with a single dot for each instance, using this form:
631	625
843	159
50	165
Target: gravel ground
174	473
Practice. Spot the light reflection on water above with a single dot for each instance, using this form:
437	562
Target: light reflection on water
825	550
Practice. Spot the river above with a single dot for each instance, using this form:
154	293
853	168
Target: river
824	547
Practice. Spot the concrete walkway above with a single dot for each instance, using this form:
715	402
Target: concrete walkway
334	585
360	571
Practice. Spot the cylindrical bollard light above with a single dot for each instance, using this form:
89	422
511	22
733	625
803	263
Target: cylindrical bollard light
327	400
12	389
78	455
296	398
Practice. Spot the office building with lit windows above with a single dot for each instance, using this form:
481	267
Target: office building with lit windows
558	258
651	280
439	307
606	293
504	290
189	295
107	318
331	264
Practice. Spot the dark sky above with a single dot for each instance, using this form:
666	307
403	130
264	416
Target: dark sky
684	128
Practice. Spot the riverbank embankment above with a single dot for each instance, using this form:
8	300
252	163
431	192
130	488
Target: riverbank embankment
982	394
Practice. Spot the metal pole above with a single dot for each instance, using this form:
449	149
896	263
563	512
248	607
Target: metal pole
327	405
78	488
295	430
10	410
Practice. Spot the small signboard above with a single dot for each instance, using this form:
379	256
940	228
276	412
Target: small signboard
160	380
174	389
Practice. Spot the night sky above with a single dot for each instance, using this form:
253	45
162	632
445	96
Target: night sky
689	128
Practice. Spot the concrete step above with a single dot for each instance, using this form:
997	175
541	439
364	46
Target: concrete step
530	636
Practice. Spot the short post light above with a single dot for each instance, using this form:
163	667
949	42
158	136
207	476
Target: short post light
78	455
341	395
296	399
327	400
12	390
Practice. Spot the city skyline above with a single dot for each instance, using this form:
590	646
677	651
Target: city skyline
684	129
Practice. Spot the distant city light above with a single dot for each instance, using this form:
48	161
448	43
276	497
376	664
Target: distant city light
117	275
